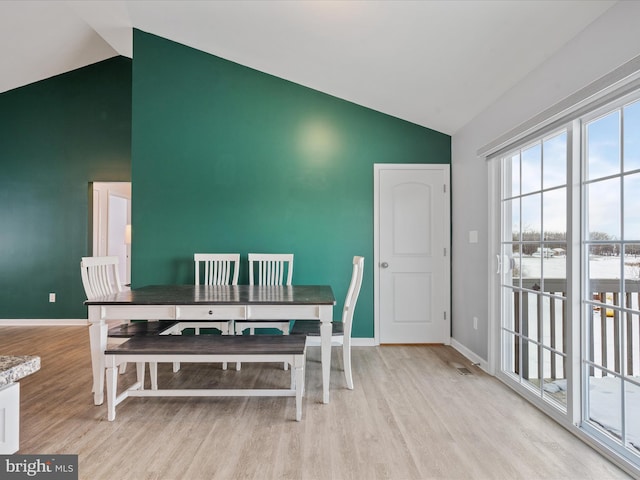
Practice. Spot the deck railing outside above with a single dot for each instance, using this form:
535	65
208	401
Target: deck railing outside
610	309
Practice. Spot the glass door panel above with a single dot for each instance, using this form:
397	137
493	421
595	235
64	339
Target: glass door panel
611	262
631	137
603	146
555	161
533	274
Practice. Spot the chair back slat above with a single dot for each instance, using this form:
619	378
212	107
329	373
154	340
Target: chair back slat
217	268
100	276
273	268
352	295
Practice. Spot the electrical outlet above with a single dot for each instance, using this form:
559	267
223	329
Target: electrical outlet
475	323
52	297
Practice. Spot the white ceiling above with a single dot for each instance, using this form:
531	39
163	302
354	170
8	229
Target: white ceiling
434	63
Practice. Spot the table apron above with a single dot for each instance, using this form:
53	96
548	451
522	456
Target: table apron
283	312
210	312
138	312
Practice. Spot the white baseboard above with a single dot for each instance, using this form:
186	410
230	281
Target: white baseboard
43	322
362	342
473	358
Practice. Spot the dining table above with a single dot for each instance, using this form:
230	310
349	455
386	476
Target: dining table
213	303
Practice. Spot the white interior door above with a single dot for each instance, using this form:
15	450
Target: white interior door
412	253
111	215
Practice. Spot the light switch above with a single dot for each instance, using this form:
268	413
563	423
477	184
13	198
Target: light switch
473	236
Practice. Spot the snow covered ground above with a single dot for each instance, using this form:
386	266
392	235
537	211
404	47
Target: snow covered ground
605	393
599	267
605	407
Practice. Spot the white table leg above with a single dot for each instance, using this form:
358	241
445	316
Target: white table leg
98	342
326	316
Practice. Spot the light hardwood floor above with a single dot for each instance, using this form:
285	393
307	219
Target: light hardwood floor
411	416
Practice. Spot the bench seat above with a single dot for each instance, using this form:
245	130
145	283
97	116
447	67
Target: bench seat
128	330
204	349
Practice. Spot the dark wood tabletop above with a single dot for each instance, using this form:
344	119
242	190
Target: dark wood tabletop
220	295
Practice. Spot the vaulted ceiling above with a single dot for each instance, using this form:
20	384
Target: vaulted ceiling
434	63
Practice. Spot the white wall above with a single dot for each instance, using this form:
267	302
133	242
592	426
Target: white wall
609	42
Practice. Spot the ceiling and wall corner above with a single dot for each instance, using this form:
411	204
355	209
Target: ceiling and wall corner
437	64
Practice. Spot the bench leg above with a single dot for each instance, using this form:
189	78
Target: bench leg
299	368
140	374
293	378
222	326
304	374
112	387
285	331
153	374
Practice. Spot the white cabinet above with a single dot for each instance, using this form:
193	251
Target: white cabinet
9	418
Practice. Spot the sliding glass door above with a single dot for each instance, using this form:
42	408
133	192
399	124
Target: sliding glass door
568	264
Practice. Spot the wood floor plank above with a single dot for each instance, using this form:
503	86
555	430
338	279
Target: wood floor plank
410	416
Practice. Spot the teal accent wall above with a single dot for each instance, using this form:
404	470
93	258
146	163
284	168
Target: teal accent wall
56	136
228	159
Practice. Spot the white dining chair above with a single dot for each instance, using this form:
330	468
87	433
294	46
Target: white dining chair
100	277
341	334
217	269
268	269
211	269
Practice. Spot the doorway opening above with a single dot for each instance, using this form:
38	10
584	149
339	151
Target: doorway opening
111	223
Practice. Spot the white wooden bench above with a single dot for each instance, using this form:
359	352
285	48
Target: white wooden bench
204	349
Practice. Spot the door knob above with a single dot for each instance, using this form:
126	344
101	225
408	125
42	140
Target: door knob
384	265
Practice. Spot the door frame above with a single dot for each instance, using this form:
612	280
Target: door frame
377	167
99	199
